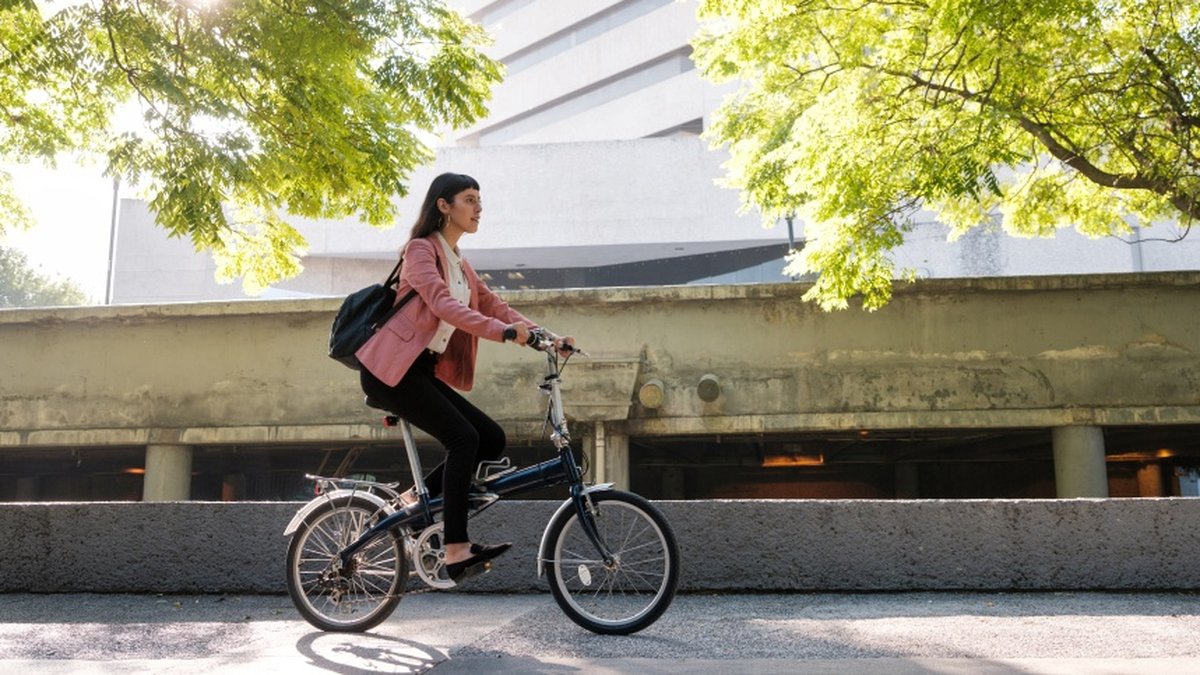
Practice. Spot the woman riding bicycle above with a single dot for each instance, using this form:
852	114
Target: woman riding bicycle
415	361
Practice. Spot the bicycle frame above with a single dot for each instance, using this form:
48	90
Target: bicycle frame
562	469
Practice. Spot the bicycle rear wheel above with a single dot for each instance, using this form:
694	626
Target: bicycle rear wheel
360	595
632	591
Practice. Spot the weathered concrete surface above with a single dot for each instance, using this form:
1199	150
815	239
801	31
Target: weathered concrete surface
945	633
956	353
724	545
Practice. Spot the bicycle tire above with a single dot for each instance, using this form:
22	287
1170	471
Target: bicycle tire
341	602
629	595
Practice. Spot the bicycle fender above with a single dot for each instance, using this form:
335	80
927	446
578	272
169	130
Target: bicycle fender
317	502
567	504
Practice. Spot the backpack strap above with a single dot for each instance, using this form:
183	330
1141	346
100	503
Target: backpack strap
394	280
394	277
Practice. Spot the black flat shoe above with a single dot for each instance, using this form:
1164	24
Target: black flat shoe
479	562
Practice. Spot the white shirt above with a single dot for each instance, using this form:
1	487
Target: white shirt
459	290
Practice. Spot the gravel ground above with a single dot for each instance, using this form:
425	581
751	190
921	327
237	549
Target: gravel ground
462	632
933	625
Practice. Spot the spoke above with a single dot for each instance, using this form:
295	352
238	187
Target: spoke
642	564
633	577
577	557
367	586
384	557
323	541
381	581
580	561
367	589
640	546
646	576
629	531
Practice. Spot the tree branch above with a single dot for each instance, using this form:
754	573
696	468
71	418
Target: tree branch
1082	165
1175	97
131	75
1187	204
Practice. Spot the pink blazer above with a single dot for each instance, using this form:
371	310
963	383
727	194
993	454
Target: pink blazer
396	345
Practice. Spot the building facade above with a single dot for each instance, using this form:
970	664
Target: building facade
595	175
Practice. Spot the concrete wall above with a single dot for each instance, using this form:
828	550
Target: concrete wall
724	545
1035	352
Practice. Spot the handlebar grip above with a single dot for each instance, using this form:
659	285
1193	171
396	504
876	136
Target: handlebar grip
543	340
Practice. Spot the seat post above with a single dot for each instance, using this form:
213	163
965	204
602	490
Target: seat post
414	460
410	446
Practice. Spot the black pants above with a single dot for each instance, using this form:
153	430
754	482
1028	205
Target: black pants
467	433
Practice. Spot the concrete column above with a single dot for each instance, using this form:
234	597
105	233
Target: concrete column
1079	468
609	456
1150	480
617	460
168	473
593	449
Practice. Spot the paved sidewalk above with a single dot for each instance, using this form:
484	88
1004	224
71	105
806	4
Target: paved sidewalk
449	633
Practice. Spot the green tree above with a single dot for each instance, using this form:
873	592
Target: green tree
22	286
249	109
856	114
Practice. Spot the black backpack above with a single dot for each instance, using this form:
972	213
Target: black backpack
361	314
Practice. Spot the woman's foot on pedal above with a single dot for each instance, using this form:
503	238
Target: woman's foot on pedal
480	561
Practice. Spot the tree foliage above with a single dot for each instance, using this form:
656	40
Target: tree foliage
22	286
249	109
1043	114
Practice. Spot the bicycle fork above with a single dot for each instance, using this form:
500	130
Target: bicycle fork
585	510
581	501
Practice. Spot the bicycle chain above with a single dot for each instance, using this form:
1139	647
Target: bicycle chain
421	586
416	536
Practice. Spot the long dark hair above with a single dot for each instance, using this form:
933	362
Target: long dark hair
445	186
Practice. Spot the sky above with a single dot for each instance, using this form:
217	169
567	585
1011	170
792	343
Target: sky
72	211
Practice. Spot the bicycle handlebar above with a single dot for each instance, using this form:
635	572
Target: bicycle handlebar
545	341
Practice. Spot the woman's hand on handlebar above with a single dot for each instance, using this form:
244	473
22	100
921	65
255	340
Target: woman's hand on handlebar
519	331
565	345
543	341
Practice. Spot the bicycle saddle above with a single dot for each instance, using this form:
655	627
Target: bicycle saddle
375	403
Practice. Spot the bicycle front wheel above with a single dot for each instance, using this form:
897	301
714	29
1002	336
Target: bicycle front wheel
631	591
354	597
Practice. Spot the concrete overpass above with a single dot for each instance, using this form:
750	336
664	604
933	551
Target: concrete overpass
1070	356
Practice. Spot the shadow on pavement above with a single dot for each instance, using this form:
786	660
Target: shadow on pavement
353	653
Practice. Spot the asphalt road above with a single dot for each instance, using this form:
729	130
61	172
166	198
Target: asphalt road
456	632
